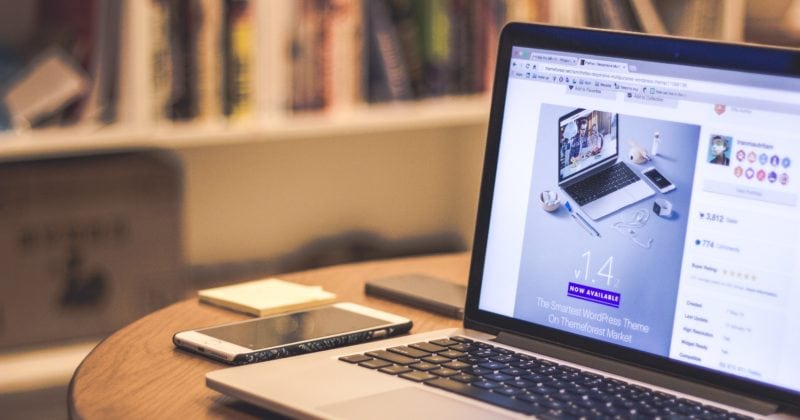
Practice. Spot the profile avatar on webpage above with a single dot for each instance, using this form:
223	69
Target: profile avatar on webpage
719	151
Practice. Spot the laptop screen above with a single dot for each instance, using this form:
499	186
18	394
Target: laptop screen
704	271
586	139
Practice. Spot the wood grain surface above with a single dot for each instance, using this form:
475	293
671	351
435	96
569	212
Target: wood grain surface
138	373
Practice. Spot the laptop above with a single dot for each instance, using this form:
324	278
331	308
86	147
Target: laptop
682	304
589	170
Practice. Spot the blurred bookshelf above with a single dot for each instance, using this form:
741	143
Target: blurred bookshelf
116	74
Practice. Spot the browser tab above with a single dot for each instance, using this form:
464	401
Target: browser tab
604	65
554	59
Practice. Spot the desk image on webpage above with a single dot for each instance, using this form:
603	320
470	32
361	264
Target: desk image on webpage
619	287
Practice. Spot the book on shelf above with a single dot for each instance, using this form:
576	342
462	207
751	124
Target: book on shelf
307	62
238	51
343	55
210	60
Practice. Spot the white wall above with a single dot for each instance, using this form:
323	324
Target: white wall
258	200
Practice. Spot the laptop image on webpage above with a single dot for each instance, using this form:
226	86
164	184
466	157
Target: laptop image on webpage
678	305
588	168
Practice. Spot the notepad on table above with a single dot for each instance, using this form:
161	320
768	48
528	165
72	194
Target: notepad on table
266	296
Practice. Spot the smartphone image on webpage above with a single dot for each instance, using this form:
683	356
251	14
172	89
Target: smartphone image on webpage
290	334
657	179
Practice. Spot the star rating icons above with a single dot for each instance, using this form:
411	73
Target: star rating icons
739	275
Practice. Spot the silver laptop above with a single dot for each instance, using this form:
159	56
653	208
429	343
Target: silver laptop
589	170
682	304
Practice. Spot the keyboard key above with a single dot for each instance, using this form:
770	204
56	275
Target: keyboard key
554	404
507	391
392	357
523	364
430	348
483	383
473	360
457	365
536	377
519	383
461	339
531	398
452	354
499	377
542	390
418	376
444	342
565	397
557	384
485	396
444	372
394	369
478	371
464	378
436	359
577	412
514	372
589	403
462	347
409	352
493	365
374	364
355	358
482	353
543	369
503	358
423	366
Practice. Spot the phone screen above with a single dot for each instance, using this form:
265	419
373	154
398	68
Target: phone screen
291	328
657	178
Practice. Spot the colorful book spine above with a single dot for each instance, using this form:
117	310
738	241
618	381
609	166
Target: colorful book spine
238	54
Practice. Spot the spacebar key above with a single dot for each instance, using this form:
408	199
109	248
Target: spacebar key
485	396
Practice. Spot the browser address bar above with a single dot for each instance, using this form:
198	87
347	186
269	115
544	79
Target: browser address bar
616	77
668	82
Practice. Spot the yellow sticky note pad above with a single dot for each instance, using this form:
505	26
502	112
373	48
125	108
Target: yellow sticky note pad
266	296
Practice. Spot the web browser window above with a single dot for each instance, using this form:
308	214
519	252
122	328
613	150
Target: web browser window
704	268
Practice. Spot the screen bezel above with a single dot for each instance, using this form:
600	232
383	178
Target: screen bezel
759	60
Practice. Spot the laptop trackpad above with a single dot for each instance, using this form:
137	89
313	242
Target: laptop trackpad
407	403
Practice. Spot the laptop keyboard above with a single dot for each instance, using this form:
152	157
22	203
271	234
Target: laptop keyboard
527	384
602	183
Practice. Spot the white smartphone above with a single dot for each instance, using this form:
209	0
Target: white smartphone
657	179
284	335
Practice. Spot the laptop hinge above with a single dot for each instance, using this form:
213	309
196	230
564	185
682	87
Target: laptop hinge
640	374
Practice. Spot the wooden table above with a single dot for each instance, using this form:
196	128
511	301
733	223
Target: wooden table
137	373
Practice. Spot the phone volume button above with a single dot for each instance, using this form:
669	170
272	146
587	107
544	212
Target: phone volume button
379	334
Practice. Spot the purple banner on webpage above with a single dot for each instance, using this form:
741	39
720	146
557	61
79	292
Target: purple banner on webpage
593	294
